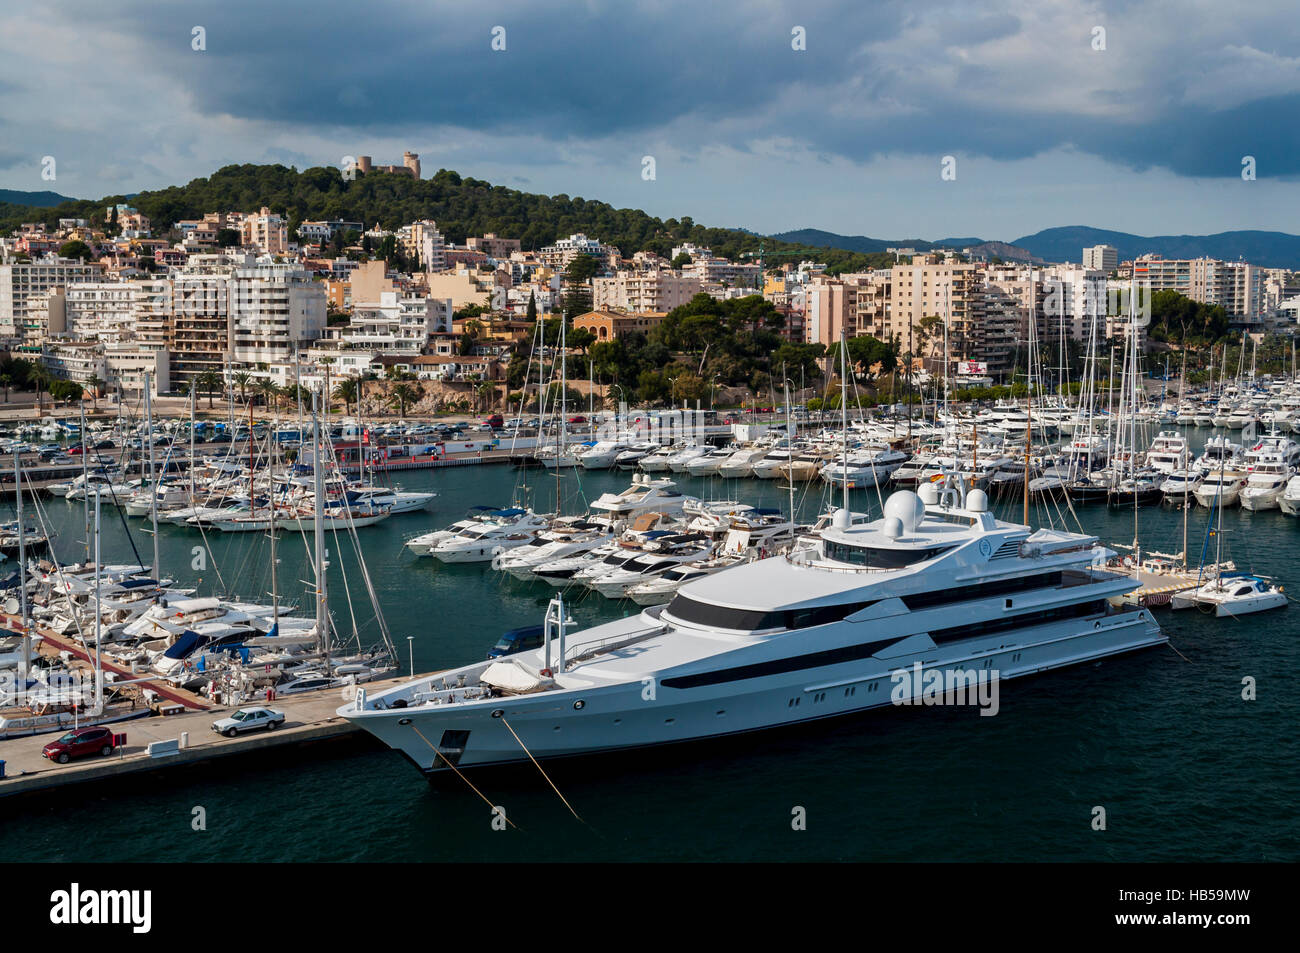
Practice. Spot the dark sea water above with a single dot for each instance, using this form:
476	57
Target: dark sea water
1185	769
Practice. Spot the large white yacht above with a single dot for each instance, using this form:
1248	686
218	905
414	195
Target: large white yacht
938	586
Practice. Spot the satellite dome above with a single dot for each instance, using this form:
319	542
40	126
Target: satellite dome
841	519
929	494
907	507
977	501
893	527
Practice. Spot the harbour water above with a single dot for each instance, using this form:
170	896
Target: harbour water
1185	769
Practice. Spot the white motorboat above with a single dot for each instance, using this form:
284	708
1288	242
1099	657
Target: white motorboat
480	543
1220	487
1168	452
602	454
645	495
1289	501
1266	483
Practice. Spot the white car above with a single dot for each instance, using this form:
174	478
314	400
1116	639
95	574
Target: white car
248	719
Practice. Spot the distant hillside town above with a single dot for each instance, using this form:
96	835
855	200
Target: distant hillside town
255	297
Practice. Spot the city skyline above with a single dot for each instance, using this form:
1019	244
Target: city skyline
1147	134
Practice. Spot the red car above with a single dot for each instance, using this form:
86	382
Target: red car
79	743
578	420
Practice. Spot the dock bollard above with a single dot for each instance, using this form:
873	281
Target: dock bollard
185	739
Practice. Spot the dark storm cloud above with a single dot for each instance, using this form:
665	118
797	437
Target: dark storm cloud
888	78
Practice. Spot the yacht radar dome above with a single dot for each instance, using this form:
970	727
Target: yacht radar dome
907	507
977	501
841	519
893	527
929	494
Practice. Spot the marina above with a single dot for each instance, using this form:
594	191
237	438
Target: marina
412	588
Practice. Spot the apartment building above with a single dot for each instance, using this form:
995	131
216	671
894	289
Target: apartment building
275	308
26	285
659	290
200	335
119	367
1237	286
422	242
1103	258
559	255
396	324
718	274
493	246
265	231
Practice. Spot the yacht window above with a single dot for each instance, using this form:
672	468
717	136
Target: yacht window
751	620
938	597
874	558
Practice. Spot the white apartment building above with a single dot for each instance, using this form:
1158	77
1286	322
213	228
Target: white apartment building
1103	258
274	309
559	255
718	274
26	285
643	291
396	324
1237	286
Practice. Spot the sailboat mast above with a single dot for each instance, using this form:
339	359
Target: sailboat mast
85	480
153	478
99	664
318	523
25	665
275	587
193	495
844	417
1029	389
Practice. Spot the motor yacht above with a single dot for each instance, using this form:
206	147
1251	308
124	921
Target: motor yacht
1266	483
936	591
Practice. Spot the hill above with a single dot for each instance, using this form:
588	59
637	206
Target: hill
32	199
461	206
1066	243
1270	249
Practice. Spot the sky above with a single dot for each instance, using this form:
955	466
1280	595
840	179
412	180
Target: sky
1135	116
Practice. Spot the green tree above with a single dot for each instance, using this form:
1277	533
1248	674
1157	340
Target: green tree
210	382
93	384
403	394
348	391
241	380
76	249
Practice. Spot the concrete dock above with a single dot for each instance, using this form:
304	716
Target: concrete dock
309	717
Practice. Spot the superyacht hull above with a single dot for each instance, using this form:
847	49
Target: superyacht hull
604	718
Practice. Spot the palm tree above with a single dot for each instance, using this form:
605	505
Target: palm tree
209	381
349	392
242	380
404	394
266	389
40	379
93	383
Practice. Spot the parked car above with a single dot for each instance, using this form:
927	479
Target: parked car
248	719
578	419
79	743
494	422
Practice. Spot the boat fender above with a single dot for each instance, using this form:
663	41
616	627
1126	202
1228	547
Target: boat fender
547	673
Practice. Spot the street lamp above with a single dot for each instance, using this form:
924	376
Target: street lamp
410	644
